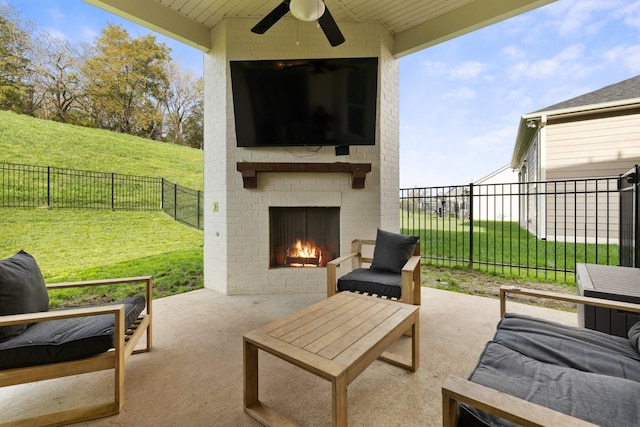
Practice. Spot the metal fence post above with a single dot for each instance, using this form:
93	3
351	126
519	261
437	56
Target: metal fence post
175	201
113	191
198	210
49	186
471	225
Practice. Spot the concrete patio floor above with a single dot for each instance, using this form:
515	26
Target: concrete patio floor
193	375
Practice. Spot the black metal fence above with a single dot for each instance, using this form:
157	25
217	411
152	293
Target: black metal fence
629	184
29	186
539	229
183	204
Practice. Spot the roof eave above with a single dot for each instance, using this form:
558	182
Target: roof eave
463	20
525	133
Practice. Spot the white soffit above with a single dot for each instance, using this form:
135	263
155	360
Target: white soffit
415	24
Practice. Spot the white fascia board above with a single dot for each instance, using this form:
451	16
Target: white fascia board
161	19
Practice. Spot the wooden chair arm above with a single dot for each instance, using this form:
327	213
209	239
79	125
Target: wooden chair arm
410	279
332	273
100	282
337	261
505	406
43	316
578	299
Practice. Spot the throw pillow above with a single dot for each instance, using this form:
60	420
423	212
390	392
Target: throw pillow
634	335
22	290
392	251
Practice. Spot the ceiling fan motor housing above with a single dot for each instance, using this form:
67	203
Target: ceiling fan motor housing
307	10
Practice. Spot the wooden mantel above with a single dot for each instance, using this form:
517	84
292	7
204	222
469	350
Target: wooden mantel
250	170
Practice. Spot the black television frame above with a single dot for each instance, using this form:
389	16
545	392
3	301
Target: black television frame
305	102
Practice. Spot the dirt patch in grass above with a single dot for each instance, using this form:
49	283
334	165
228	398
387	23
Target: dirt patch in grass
474	282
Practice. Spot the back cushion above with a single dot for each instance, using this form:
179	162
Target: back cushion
392	251
22	290
634	335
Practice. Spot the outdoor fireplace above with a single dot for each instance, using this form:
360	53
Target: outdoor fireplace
303	236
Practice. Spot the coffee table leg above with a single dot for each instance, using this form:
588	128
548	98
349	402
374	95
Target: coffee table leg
250	355
339	401
415	343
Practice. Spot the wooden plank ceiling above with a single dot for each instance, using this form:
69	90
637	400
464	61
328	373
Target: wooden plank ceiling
415	24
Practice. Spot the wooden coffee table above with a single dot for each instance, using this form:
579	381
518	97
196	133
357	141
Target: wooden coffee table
336	339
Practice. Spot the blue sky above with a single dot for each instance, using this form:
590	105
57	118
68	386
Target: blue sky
460	101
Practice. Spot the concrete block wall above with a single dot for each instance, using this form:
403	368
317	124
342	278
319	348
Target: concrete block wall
237	219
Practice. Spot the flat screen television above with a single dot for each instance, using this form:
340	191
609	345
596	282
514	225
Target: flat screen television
305	102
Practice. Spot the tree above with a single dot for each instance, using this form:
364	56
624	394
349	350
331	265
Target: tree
56	81
126	82
184	104
15	66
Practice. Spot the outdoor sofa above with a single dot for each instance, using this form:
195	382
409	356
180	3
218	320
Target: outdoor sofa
40	344
540	373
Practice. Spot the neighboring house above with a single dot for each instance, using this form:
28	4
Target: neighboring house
495	197
593	135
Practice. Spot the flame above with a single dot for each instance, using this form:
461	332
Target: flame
305	250
302	251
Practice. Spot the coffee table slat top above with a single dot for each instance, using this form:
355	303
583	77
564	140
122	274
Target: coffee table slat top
336	334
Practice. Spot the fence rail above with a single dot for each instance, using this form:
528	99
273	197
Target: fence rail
540	229
29	186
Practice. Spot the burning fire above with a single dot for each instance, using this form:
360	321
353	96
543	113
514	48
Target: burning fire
304	255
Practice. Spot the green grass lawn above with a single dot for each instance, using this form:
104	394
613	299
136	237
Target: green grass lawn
84	245
502	247
27	140
73	244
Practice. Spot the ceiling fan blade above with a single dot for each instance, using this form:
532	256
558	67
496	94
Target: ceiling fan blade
273	17
330	28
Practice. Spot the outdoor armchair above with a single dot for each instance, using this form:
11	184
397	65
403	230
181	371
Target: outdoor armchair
393	272
37	344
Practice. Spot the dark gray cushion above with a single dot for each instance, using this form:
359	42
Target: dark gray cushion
66	339
579	348
372	281
634	335
392	251
22	290
600	399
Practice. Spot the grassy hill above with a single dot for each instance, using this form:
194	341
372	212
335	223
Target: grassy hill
71	244
24	139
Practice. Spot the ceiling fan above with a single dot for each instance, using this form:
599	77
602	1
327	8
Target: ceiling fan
305	10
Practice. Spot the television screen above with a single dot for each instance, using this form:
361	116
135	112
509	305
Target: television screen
305	102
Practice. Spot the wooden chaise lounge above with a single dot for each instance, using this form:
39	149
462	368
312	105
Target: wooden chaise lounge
87	339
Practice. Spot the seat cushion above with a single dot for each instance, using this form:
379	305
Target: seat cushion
66	339
372	281
600	399
579	348
392	251
22	290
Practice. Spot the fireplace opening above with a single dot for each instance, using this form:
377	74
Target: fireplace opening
303	236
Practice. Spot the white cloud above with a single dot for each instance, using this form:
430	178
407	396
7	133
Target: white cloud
566	62
468	71
434	68
494	140
582	16
88	34
631	15
513	52
56	34
464	93
628	56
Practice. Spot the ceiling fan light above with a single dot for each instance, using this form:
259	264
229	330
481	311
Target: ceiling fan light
307	10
